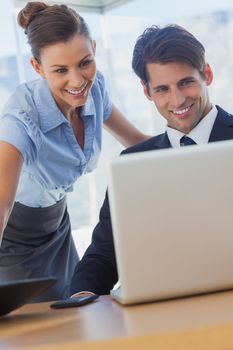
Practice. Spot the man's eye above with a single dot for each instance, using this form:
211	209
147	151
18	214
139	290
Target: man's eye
160	89
186	82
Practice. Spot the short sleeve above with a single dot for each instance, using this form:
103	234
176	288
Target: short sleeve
21	133
107	104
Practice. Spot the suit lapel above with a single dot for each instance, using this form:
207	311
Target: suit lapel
223	127
162	141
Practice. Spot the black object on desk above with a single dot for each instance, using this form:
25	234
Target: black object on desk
14	294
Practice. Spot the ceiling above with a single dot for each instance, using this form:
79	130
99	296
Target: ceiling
165	11
99	6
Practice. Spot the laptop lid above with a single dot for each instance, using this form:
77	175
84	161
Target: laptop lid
172	221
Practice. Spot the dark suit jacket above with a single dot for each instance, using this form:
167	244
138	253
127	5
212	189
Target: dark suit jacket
97	271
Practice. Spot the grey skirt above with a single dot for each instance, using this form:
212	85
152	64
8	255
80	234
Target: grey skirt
37	242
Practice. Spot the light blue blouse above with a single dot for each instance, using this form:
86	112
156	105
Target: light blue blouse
53	160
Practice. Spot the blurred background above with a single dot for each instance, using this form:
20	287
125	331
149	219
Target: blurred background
115	29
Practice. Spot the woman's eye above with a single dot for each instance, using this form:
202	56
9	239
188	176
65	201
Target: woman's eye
85	63
61	70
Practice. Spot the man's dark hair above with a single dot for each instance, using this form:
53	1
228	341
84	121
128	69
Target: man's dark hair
169	44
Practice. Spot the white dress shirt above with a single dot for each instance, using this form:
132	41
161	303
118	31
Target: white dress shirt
200	134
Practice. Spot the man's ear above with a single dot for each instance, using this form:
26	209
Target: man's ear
37	67
146	90
208	74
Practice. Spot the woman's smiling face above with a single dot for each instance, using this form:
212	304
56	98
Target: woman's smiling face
69	68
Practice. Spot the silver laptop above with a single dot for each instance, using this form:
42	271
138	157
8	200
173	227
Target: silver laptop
172	221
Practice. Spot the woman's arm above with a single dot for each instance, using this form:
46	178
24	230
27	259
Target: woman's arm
11	162
127	134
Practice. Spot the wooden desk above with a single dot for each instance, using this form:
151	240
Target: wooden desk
202	322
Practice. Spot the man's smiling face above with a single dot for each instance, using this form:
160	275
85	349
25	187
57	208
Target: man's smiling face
179	92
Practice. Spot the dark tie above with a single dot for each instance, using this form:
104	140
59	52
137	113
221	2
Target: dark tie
186	141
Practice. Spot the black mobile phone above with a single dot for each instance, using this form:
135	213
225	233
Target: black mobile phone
73	302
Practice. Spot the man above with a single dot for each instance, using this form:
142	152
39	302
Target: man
171	65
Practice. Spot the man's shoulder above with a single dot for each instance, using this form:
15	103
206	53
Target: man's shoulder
222	112
148	145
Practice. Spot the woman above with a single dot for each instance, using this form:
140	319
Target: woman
50	135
